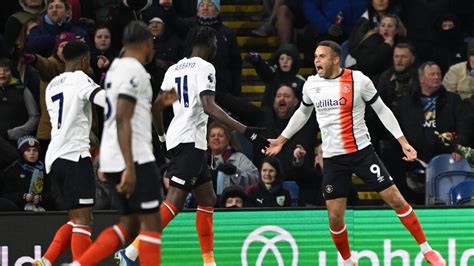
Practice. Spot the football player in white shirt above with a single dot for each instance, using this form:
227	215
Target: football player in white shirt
68	161
126	152
340	96
192	82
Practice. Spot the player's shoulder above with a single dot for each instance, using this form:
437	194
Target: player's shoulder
126	66
201	63
356	74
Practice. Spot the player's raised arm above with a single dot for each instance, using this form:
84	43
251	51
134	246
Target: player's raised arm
297	121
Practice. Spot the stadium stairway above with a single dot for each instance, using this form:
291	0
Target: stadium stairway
237	14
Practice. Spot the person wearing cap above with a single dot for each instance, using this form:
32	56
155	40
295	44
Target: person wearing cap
25	182
57	20
269	192
233	197
460	77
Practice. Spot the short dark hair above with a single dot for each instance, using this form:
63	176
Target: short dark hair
65	2
201	36
406	45
335	47
136	32
75	49
421	68
5	63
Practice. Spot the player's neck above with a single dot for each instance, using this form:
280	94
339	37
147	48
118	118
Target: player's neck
135	54
72	66
336	71
199	52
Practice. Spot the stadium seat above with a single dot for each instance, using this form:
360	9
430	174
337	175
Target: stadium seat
245	144
442	174
294	190
462	193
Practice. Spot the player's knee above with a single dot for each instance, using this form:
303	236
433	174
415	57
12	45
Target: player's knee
336	220
283	11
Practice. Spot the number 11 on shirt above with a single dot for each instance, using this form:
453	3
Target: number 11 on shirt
185	90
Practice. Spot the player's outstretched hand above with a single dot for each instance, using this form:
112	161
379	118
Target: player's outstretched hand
275	147
127	182
258	141
410	152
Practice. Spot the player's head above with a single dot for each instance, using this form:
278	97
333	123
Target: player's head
327	59
137	37
76	54
203	38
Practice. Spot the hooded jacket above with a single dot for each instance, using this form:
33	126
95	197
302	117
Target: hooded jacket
273	76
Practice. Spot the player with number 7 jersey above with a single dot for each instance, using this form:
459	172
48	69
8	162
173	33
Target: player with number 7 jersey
69	99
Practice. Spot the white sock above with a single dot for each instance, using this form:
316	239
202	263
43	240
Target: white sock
348	262
131	252
425	247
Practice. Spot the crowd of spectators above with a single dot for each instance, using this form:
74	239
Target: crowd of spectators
419	54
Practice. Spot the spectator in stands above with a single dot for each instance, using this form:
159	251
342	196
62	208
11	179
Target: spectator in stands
122	14
233	197
449	47
289	17
18	112
48	68
309	178
418	18
374	54
102	54
269	192
229	167
281	69
25	181
228	62
31	9
267	27
167	44
430	115
333	20
368	22
56	21
460	77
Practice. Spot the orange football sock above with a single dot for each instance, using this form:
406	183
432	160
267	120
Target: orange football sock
340	237
61	242
167	211
107	242
205	233
409	219
149	248
80	240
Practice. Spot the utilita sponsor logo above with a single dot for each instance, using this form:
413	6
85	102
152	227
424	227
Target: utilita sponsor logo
329	104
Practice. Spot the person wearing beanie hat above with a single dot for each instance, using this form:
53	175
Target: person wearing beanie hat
63	37
460	77
233	197
216	3
25	181
269	192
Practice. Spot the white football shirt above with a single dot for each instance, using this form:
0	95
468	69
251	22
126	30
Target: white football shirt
68	100
127	78
340	109
189	77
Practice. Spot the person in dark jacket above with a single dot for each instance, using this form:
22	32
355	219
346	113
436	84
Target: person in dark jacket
374	54
25	182
431	115
449	47
228	63
19	113
369	21
102	54
281	69
269	192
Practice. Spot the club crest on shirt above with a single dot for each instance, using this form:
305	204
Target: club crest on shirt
346	89
329	189
281	200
